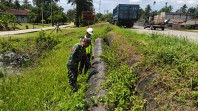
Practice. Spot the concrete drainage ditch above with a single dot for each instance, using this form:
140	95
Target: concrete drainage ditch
96	78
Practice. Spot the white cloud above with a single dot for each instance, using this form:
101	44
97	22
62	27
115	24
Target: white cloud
135	1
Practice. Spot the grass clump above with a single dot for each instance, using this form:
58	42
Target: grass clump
120	77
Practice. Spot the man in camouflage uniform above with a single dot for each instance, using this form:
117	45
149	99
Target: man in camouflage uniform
77	54
88	51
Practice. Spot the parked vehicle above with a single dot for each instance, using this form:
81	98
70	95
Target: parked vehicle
154	22
125	15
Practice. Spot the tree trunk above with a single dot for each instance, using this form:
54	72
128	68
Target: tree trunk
77	14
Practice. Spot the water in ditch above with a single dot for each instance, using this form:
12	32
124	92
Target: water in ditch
10	63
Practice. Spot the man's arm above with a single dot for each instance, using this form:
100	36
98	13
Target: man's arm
72	56
81	38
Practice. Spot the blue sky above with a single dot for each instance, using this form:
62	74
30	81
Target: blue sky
110	4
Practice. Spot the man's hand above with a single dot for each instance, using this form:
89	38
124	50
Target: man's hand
89	65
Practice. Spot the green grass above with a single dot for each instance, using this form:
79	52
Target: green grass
22	26
196	31
174	60
44	84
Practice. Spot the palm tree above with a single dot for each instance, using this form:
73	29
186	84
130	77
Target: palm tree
154	5
81	5
17	5
25	3
39	2
184	8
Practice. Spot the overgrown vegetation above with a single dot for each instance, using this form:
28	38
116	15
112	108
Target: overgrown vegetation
44	84
6	19
133	57
31	48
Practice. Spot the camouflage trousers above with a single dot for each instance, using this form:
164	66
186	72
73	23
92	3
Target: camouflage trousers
72	75
84	65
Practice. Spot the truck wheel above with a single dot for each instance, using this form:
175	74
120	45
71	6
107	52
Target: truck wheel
162	28
151	27
115	23
154	28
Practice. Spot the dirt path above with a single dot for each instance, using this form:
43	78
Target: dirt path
96	77
3	34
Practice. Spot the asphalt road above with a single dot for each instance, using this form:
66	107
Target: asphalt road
4	34
192	36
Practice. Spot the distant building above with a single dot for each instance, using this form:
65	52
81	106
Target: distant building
181	16
193	24
21	15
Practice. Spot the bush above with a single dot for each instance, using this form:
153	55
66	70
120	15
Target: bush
187	26
45	42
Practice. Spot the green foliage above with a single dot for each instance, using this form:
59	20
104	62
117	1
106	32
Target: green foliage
3	7
32	16
44	84
2	74
187	26
195	95
5	19
81	5
44	41
120	79
71	15
194	83
173	59
58	14
120	83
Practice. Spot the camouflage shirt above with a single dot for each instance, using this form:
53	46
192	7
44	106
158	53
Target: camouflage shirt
76	55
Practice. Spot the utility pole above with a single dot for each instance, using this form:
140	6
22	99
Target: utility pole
42	13
99	5
52	14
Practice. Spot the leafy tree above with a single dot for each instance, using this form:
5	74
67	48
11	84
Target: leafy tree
141	14
107	17
33	17
99	17
3	7
147	11
39	2
193	11
166	8
5	19
71	15
6	3
26	4
10	3
57	12
17	4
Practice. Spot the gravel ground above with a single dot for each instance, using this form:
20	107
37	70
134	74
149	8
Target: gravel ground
193	36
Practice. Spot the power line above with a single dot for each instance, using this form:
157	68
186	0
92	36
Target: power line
99	5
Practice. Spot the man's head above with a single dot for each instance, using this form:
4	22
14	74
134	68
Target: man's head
86	42
89	32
